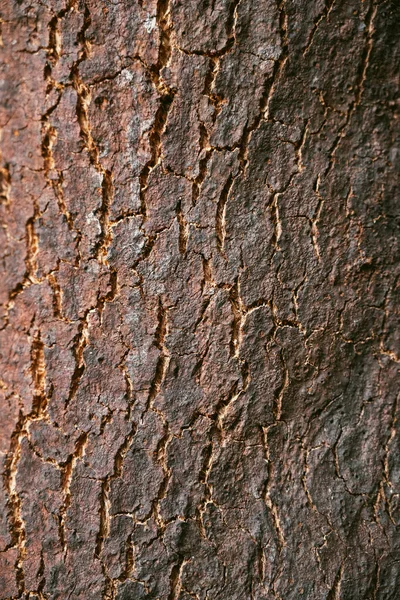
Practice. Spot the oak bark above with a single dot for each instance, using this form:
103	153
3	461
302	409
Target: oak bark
199	300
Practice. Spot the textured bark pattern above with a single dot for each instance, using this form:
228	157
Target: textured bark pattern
199	300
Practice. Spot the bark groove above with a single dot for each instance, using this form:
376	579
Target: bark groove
199	300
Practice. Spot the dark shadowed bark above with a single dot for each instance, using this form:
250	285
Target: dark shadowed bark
199	300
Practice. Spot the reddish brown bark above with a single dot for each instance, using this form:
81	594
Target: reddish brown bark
199	300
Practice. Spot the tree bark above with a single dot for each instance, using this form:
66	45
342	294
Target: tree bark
200	300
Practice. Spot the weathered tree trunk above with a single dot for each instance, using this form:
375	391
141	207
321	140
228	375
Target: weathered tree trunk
199	300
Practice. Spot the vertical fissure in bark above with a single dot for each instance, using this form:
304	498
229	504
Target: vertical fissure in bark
160	120
198	293
14	505
220	229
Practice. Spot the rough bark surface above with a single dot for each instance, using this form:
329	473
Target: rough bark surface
199	300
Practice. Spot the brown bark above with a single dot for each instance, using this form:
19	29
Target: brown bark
199	300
